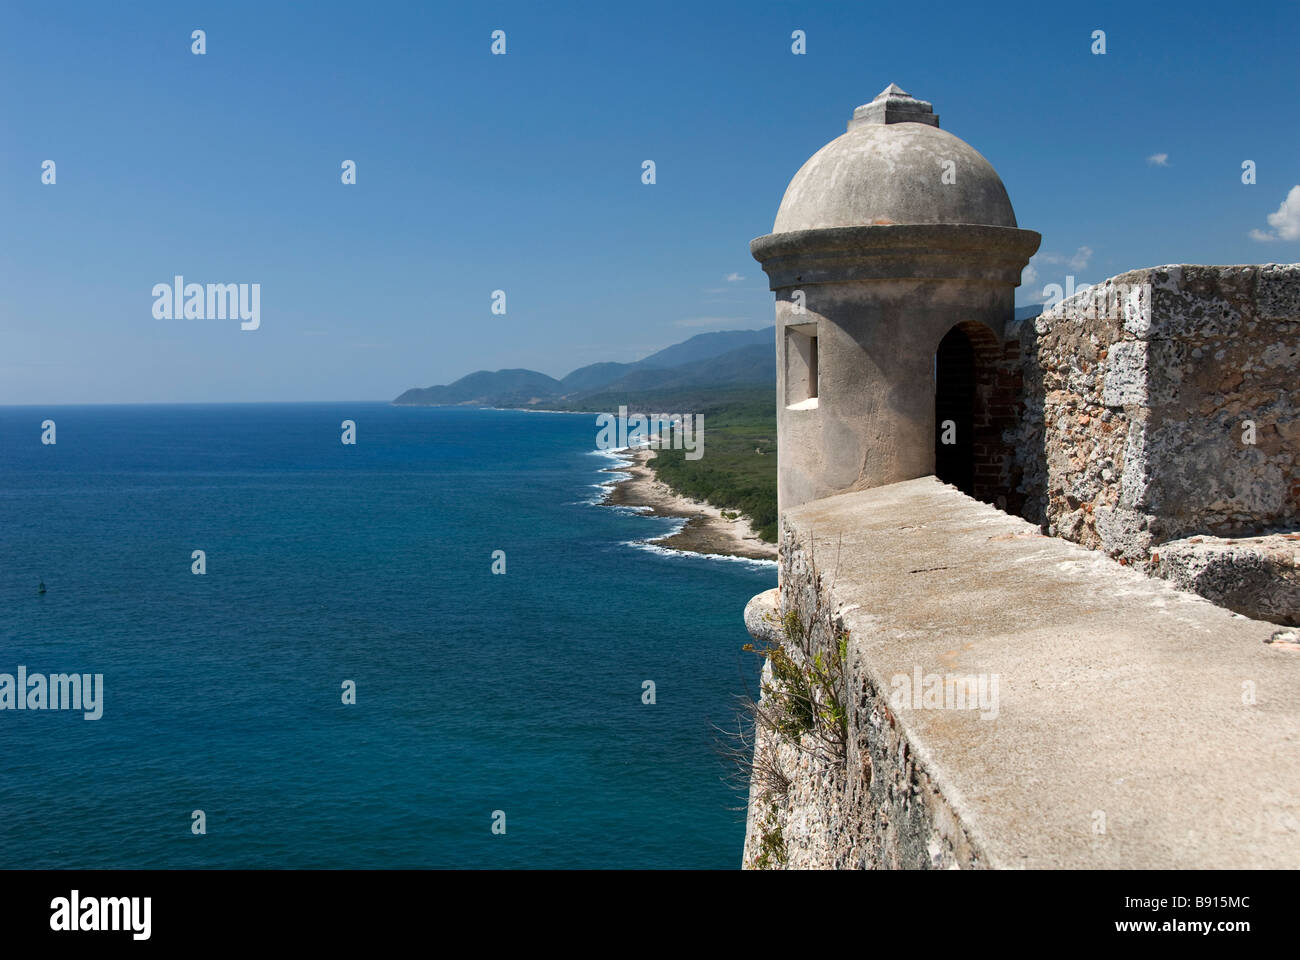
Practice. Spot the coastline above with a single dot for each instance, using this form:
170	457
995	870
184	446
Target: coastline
706	530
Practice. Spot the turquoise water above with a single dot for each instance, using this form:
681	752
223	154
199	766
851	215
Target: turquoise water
372	563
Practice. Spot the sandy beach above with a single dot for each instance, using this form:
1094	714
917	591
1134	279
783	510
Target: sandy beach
706	529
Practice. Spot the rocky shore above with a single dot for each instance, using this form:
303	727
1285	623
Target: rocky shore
706	529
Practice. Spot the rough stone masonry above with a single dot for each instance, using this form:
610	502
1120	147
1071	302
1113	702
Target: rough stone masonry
1161	406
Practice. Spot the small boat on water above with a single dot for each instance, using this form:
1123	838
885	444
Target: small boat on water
41	588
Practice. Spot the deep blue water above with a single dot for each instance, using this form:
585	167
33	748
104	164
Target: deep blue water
372	563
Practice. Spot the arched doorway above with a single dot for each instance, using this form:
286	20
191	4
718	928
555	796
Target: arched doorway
975	400
954	411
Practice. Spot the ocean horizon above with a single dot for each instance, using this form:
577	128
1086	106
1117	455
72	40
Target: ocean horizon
480	697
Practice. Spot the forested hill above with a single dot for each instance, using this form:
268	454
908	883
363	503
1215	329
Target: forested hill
732	358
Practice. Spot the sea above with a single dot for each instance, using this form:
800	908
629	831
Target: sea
348	683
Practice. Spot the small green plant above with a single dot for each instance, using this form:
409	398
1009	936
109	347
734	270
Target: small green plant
802	702
805	693
789	694
771	844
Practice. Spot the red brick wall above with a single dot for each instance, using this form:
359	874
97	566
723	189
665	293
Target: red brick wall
996	408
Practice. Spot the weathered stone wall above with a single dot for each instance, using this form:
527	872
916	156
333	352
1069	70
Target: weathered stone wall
874	808
925	581
1138	393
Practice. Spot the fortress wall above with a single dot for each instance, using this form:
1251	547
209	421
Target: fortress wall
1140	395
875	808
1075	651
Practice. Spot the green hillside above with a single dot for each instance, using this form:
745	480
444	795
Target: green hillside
738	468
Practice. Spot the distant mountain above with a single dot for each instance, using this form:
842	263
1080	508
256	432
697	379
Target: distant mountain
702	346
705	345
594	375
1029	311
485	388
732	358
751	365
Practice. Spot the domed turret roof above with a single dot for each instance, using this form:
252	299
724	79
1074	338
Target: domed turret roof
889	169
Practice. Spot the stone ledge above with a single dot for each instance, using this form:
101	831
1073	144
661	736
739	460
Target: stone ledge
762	616
987	254
1137	726
1255	576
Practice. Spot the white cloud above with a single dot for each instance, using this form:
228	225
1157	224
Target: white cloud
1158	160
733	278
1030	277
1285	222
1076	261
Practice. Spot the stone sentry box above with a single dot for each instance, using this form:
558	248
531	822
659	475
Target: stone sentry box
1116	420
887	238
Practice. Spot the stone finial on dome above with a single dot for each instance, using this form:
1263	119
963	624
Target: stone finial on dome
895	105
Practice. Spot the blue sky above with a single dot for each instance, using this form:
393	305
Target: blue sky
523	172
